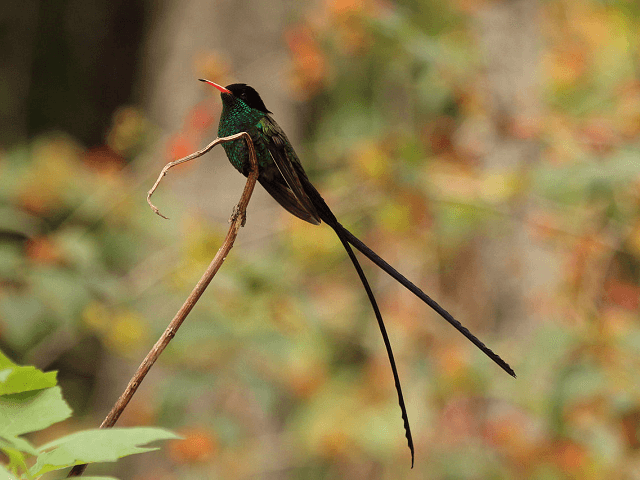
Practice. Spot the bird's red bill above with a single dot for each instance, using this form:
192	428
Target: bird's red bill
219	87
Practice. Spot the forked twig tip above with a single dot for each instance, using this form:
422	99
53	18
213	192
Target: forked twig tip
160	215
153	207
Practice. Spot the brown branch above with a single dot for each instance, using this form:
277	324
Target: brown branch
237	221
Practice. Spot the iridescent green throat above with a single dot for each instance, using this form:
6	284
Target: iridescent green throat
237	117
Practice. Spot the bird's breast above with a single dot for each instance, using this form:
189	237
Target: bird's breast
238	152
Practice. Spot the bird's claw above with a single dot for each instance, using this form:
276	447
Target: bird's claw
235	214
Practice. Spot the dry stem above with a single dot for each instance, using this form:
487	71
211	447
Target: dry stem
237	220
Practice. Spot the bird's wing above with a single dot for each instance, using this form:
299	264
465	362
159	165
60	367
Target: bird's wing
290	169
285	197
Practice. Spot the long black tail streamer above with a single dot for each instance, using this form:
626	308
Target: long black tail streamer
345	234
385	338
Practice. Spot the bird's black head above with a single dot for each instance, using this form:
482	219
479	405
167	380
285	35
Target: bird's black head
248	95
239	91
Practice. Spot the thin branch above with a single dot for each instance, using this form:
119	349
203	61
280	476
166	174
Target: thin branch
197	154
237	220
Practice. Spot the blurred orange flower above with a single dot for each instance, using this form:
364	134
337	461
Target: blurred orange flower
197	445
309	65
43	250
213	66
179	146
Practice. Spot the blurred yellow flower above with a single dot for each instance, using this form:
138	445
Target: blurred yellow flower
396	216
55	167
96	316
126	332
633	242
496	187
128	131
370	160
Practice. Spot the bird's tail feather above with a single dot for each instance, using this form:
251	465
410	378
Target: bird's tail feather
346	236
383	331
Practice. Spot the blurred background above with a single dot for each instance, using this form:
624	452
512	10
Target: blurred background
487	149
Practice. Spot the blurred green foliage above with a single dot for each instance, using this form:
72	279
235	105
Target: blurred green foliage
30	400
280	369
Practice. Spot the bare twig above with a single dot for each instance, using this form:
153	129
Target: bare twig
237	220
195	155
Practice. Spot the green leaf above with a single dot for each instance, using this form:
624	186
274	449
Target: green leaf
99	478
583	381
16	220
100	445
30	411
24	319
79	248
17	462
5	475
16	379
11	259
16	443
6	362
63	291
574	183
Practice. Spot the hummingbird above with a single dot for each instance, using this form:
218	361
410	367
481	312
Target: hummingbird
283	177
